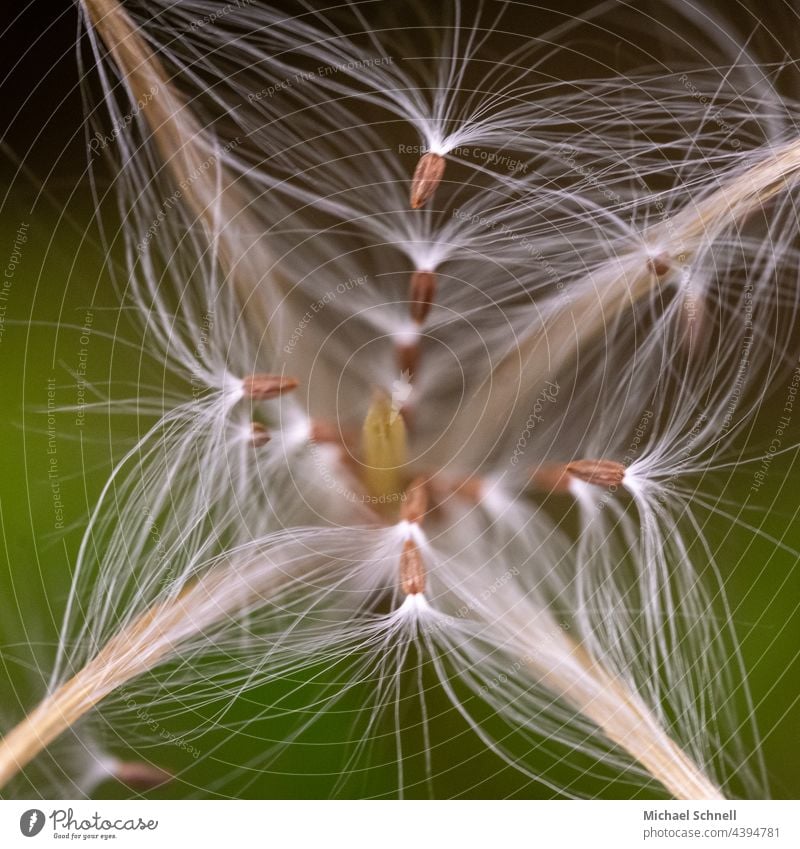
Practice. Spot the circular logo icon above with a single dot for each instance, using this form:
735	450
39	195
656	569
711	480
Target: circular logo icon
31	822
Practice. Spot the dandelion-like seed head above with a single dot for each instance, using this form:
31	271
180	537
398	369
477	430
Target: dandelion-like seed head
434	421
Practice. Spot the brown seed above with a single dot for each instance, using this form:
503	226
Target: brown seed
470	488
598	472
660	264
412	569
263	387
407	356
140	775
421	294
427	176
324	431
415	504
259	434
551	477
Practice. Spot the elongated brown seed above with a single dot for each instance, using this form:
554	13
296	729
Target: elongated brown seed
259	435
471	489
140	775
427	176
422	291
660	264
551	477
412	569
263	387
407	357
598	472
325	431
415	503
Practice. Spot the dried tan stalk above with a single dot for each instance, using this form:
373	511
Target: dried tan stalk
620	284
627	721
194	161
593	691
136	649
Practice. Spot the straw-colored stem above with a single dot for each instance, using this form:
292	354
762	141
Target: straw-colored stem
590	688
49	720
622	716
195	162
136	649
618	285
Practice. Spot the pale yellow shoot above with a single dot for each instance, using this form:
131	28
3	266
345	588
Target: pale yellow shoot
384	451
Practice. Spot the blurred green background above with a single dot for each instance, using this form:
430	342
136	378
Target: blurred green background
61	284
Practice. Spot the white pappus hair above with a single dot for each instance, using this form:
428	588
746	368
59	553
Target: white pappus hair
451	349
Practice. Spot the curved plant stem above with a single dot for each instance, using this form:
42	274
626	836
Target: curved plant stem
553	345
157	635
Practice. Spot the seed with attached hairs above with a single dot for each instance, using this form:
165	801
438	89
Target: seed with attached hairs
259	435
412	569
415	505
552	477
660	264
471	488
598	472
421	294
264	387
325	431
140	775
427	176
407	356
